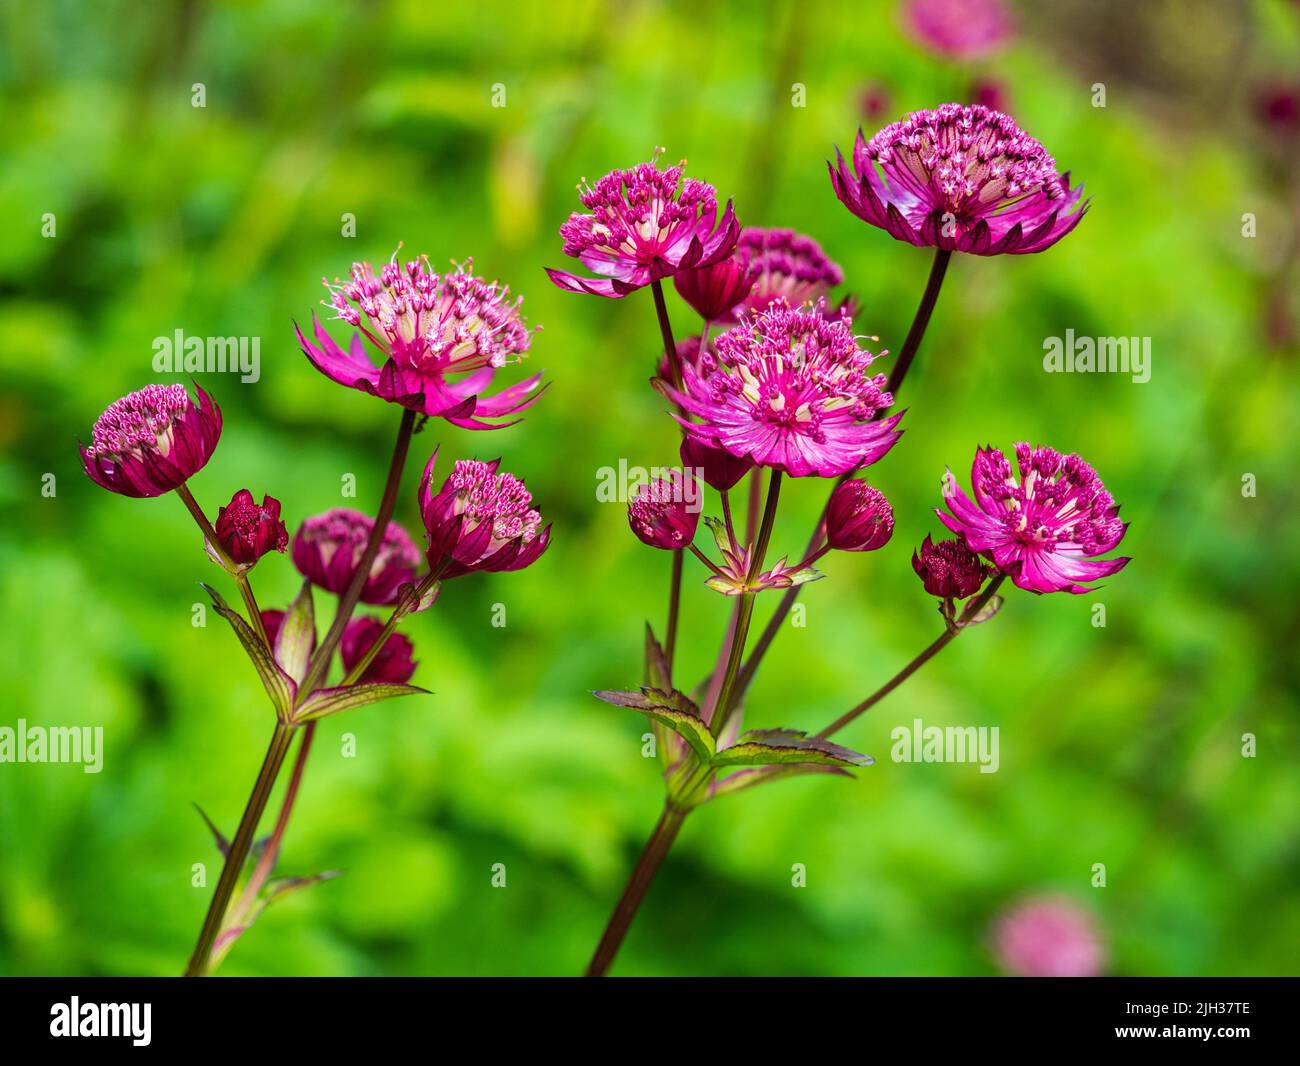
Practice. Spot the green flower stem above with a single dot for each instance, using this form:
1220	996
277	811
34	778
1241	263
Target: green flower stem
200	961
652	856
239	847
944	639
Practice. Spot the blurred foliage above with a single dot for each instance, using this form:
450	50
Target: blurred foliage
1120	745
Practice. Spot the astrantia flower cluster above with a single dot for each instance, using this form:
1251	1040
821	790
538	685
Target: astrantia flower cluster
443	337
1042	529
792	391
644	224
959	178
152	441
328	547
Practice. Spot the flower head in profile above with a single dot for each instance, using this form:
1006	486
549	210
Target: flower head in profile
949	569
442	338
644	224
665	512
248	530
789	268
1042	529
959	29
328	547
152	441
392	664
790	390
960	178
859	517
1048	936
481	519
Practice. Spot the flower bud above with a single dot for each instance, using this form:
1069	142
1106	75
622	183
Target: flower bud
328	547
715	290
949	569
858	518
393	663
665	513
721	470
247	530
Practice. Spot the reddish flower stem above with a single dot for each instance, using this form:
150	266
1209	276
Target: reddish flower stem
675	371
652	856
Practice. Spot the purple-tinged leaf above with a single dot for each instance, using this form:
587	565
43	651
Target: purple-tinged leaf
296	639
329	701
223	845
279	686
768	747
672	709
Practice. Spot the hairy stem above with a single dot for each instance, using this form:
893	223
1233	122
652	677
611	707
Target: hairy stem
652	856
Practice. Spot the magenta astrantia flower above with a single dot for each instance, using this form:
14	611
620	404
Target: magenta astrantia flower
152	441
480	520
248	530
391	665
790	390
720	469
328	547
949	569
858	518
961	178
960	29
1042	530
443	337
666	512
646	223
1048	937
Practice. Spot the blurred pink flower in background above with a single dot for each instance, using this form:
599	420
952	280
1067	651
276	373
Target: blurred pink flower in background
1048	936
958	29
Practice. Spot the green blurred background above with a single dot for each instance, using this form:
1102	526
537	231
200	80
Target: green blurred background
1119	745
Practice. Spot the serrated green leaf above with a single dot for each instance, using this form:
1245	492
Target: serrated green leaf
769	747
296	639
327	701
279	686
673	709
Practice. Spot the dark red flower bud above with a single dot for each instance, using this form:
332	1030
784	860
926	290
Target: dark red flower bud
858	518
715	290
393	663
720	469
949	569
248	530
666	512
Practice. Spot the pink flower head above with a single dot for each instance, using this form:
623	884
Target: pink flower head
480	520
328	547
949	569
392	665
858	518
790	390
248	529
720	469
666	512
1048	937
442	336
961	178
959	29
646	223
152	441
1043	529
789	268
